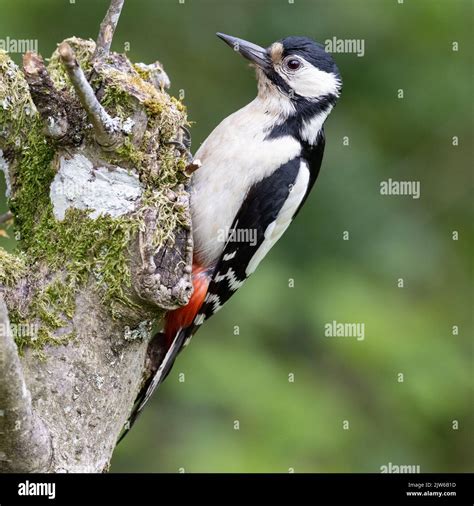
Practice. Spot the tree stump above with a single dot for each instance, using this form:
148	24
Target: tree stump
97	189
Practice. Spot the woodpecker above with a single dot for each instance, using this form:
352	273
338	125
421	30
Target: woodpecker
257	169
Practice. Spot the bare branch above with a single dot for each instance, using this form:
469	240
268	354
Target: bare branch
49	102
106	129
6	217
107	29
25	444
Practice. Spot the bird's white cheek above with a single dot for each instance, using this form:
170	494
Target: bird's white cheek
311	82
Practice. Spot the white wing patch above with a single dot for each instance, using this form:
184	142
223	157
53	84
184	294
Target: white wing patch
276	229
234	283
213	299
199	320
229	256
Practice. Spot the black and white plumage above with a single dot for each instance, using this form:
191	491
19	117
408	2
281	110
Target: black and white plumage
258	167
266	212
261	162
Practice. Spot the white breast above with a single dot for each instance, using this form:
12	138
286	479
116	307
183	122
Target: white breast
234	157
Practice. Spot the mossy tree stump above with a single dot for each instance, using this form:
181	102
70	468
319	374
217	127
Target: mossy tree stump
97	189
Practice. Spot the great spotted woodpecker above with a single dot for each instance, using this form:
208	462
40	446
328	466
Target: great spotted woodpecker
258	167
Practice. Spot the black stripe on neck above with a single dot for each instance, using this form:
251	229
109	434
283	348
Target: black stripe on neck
305	111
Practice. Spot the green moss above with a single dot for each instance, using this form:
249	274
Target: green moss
33	177
179	105
115	97
51	309
12	268
16	106
128	151
118	102
89	247
154	108
78	248
144	74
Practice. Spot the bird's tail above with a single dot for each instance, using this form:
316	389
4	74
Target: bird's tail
178	330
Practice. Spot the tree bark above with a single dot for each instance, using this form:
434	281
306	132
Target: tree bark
96	181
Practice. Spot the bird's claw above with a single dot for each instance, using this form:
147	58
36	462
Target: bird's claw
186	137
184	147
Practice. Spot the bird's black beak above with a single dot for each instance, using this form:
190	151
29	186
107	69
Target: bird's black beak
256	54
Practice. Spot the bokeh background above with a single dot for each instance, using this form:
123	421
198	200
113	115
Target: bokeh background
302	425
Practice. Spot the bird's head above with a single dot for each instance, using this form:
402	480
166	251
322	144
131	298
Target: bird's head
296	67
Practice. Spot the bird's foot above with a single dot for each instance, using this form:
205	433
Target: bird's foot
184	147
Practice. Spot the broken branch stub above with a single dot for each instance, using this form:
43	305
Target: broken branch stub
49	102
107	29
106	129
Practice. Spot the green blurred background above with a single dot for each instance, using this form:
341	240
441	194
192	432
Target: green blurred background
299	425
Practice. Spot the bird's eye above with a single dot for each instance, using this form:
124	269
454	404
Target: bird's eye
293	64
